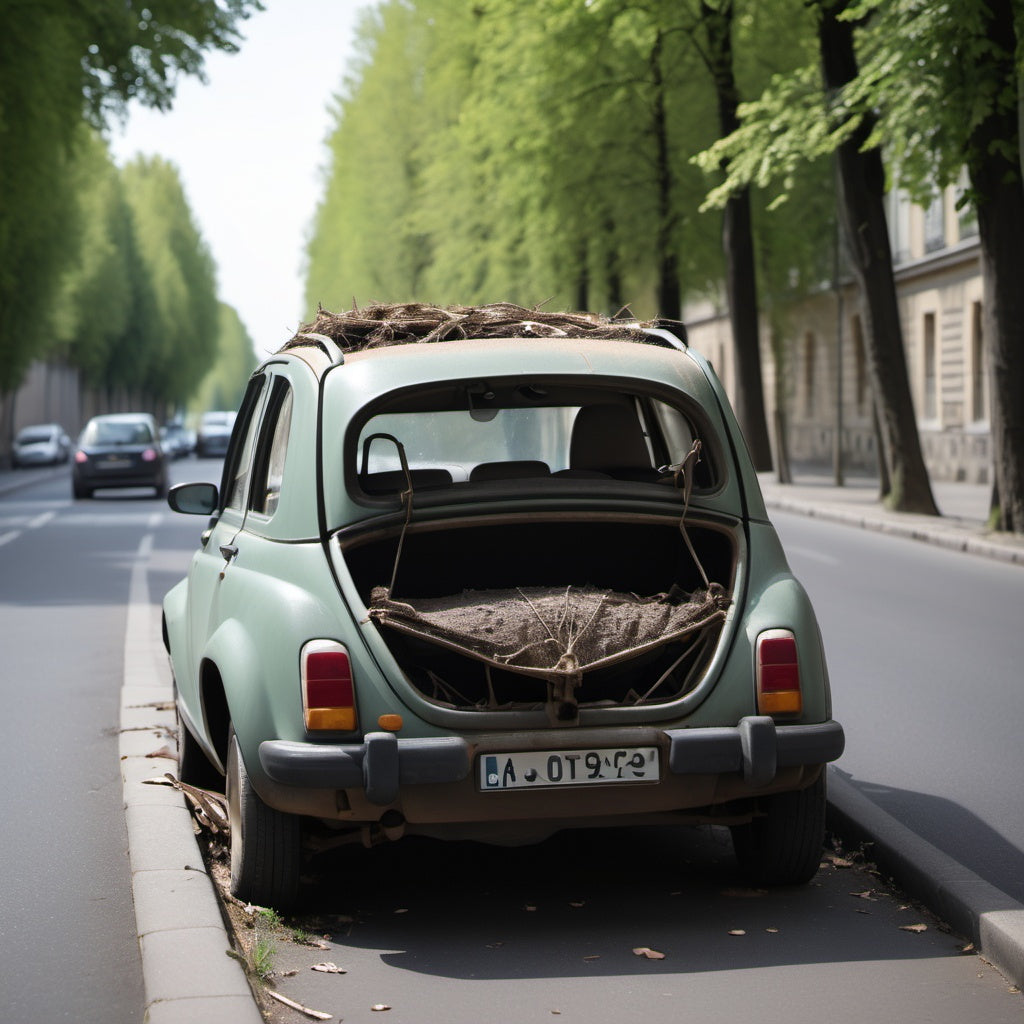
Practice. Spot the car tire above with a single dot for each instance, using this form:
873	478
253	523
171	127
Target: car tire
265	843
161	488
194	767
784	846
80	490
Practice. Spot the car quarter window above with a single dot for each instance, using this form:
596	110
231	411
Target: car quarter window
238	462
268	470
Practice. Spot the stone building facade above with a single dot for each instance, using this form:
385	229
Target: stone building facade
824	387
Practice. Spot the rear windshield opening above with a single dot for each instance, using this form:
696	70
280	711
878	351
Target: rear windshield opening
478	434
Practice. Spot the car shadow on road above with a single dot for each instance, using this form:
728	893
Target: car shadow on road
583	902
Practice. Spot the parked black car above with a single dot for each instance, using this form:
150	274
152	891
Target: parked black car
119	450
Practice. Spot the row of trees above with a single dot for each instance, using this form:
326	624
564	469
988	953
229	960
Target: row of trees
103	266
564	151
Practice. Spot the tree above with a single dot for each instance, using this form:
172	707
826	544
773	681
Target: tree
958	61
178	307
804	116
224	384
94	306
59	63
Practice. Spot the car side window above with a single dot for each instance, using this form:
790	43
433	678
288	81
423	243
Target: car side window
273	446
239	458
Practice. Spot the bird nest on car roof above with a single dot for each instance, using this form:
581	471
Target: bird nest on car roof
405	323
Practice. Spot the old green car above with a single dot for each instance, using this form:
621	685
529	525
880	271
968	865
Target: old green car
487	573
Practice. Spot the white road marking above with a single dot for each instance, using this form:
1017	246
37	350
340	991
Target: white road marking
41	520
9	536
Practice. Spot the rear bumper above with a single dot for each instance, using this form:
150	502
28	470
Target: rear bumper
756	749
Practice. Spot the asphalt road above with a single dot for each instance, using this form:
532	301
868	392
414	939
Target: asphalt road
438	932
67	921
925	650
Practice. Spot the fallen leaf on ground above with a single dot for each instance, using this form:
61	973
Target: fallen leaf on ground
402	910
529	907
574	903
650	954
164	752
916	928
969	948
594	956
328	968
867	894
838	861
772	931
744	893
737	931
377	1007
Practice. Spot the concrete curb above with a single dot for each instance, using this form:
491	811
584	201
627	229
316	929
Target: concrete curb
946	533
969	904
187	973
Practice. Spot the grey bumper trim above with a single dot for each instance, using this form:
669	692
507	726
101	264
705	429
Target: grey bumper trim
383	762
379	764
756	748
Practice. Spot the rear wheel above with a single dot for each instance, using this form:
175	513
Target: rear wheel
784	846
265	843
194	767
80	490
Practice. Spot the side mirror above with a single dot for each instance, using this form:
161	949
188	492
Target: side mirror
194	499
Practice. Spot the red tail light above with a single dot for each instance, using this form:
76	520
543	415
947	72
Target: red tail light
81	457
778	673
149	455
328	692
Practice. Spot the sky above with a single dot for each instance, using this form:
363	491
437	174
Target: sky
250	148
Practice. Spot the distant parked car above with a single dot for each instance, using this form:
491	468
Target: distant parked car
213	434
119	450
44	444
177	440
489	588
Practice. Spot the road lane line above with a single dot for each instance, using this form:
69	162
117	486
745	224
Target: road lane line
41	520
11	535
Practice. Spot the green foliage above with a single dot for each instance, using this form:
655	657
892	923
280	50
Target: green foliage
61	63
177	314
532	153
224	384
96	297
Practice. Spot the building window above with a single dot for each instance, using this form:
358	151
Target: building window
899	225
935	224
979	407
810	351
931	377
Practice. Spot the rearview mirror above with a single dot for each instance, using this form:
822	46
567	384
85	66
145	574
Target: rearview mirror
194	499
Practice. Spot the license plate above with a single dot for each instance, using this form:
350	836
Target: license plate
545	769
114	462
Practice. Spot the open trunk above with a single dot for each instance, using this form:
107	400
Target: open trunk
556	612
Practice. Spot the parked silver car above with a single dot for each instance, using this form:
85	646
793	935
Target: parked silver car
44	444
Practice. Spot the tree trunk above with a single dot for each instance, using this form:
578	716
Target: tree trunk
862	210
670	293
738	244
995	176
